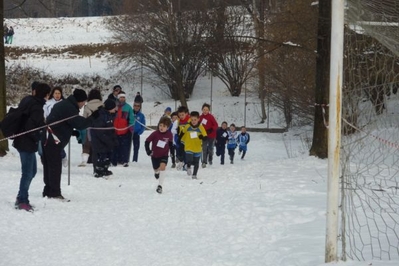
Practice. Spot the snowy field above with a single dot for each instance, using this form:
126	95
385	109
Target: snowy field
269	209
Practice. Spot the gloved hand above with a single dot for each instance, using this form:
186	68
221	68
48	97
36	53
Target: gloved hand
95	114
209	131
200	136
149	152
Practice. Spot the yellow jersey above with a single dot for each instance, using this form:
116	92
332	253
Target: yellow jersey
191	140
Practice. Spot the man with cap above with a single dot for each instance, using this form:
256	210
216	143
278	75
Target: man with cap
57	137
139	127
124	126
114	94
103	139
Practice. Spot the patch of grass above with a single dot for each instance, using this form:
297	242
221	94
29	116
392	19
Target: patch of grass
77	50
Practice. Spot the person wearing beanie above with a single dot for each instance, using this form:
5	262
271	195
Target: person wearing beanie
103	139
114	94
139	127
27	144
124	126
167	112
138	98
58	136
80	96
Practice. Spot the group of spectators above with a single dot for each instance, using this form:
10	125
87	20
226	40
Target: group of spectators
8	34
102	138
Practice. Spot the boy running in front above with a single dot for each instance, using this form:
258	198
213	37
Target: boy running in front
160	140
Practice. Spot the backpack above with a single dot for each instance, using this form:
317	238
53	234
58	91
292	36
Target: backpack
13	122
120	123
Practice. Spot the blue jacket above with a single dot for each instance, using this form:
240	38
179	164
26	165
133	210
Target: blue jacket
243	139
139	125
232	140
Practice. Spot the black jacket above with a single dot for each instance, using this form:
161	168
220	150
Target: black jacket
33	107
221	137
66	109
103	140
111	96
138	99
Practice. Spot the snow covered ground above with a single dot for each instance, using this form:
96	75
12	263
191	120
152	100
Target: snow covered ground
269	209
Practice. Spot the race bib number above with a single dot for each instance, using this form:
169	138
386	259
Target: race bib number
204	121
224	134
161	144
193	135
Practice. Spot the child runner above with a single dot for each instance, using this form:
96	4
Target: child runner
221	140
232	142
161	140
243	140
103	139
192	135
184	119
210	125
175	137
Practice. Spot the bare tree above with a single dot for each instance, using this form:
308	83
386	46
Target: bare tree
166	41
290	67
232	48
319	146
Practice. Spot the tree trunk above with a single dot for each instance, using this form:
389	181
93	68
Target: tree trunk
320	132
3	103
260	29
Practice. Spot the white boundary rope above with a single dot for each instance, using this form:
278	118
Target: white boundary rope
38	128
65	119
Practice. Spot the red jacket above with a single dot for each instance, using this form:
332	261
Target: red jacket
209	123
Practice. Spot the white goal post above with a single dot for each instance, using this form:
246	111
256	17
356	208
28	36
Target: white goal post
334	129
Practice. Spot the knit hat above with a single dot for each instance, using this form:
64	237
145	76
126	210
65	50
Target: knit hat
168	109
34	85
117	87
80	95
109	104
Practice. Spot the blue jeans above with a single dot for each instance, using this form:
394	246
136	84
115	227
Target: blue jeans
29	169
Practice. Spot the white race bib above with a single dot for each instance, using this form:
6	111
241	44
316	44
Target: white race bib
193	135
204	121
161	144
224	134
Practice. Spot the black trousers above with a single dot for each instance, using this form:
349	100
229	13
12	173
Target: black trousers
52	168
